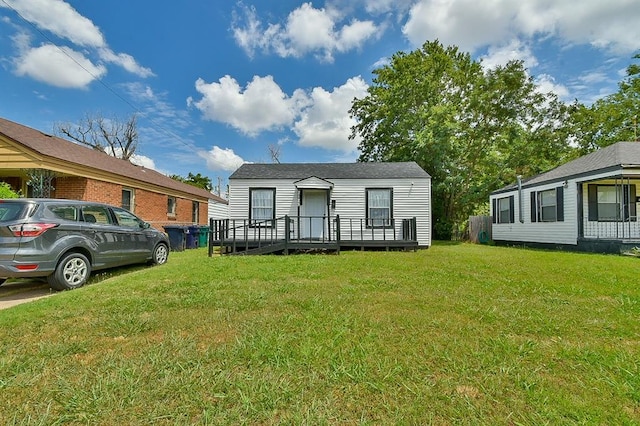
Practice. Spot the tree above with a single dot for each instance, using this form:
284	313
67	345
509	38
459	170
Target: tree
197	180
274	153
112	136
473	130
611	119
7	192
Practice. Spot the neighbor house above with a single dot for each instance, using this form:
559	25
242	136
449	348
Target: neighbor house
278	207
41	165
588	204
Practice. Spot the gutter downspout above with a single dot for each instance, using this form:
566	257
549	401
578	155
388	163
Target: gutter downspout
520	200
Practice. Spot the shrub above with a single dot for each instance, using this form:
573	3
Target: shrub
7	192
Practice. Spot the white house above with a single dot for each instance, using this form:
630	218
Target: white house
340	204
218	208
588	204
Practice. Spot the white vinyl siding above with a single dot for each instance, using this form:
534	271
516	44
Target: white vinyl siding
411	198
534	230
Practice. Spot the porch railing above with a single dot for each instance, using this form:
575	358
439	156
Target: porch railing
245	234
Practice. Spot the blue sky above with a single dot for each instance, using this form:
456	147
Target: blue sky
215	83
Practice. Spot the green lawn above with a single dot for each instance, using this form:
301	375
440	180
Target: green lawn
456	334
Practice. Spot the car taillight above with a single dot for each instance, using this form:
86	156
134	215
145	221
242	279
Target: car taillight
31	229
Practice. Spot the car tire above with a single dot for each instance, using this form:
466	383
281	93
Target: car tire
160	254
72	271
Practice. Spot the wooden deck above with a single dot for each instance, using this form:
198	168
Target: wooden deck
290	234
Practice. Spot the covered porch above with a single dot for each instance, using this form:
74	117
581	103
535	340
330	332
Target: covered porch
310	233
608	210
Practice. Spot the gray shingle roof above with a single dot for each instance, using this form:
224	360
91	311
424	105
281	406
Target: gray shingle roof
330	171
609	158
61	149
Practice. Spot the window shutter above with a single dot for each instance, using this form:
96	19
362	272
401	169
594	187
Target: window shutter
512	209
560	204
534	207
494	217
631	200
593	202
632	208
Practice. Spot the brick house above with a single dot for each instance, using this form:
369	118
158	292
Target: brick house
41	165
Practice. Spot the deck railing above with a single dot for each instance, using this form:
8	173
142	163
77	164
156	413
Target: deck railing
246	234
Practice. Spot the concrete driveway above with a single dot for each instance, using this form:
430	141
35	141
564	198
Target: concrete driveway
15	292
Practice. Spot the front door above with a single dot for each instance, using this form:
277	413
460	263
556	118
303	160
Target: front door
313	214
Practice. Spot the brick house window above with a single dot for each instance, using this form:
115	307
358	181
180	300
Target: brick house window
171	206
195	212
127	199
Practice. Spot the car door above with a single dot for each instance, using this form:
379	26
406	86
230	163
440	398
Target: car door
131	225
112	244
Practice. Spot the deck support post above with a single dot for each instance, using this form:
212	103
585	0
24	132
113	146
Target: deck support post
287	234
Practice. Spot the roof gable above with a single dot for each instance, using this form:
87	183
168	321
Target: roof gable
61	149
313	182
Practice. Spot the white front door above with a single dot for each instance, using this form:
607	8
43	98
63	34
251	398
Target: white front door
313	212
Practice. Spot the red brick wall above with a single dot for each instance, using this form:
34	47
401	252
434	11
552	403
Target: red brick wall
149	206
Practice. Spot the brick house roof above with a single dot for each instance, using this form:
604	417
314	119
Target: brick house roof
60	149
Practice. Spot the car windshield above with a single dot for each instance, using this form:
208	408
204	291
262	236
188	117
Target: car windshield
15	210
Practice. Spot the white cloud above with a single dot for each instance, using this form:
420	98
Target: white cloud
221	159
144	161
470	24
319	119
58	66
307	30
261	106
547	84
62	20
125	61
59	18
326	122
515	50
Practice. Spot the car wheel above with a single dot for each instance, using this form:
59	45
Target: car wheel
160	254
73	271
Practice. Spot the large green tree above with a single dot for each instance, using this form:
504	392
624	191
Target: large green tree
472	129
197	180
611	119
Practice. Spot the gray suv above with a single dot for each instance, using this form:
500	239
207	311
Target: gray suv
64	240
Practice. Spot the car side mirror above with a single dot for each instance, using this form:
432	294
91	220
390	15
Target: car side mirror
145	225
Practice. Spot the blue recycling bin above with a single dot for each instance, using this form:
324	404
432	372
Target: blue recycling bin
177	237
193	232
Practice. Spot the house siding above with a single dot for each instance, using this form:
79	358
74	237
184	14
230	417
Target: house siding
411	198
217	210
560	232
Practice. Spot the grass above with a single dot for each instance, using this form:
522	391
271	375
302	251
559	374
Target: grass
457	334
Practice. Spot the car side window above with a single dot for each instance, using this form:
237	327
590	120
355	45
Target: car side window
127	219
65	212
96	214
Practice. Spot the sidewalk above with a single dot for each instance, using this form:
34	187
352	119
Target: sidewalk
15	293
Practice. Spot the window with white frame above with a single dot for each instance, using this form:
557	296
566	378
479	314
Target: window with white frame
262	206
379	207
503	210
611	203
547	200
547	205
